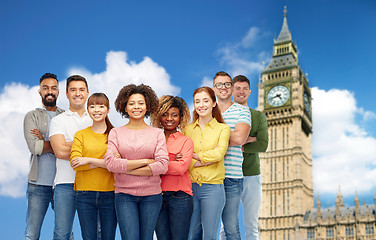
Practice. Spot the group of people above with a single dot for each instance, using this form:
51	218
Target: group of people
176	179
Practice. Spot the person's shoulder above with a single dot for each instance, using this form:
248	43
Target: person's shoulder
154	130
59	111
117	129
35	111
223	126
31	113
242	107
256	112
183	137
85	131
236	105
60	118
189	126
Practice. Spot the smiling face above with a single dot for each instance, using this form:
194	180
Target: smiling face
136	106
222	92
49	91
170	120
97	112
203	104
241	93
77	94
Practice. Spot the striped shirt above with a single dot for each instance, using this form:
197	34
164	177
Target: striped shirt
236	113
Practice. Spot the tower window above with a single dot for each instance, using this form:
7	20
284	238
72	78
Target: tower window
275	139
271	171
330	233
284	203
349	230
369	229
287	136
271	204
275	204
275	170
310	233
271	141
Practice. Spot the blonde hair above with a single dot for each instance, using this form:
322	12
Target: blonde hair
165	103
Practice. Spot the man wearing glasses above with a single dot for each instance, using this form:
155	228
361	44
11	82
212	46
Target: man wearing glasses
238	118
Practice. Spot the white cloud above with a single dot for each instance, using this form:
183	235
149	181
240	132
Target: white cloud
344	154
17	99
206	81
244	57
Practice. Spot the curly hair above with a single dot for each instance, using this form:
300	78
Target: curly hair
151	99
216	113
165	103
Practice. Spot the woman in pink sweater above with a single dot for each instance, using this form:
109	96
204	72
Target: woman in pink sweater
137	155
177	207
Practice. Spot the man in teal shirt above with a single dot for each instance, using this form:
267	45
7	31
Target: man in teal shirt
256	142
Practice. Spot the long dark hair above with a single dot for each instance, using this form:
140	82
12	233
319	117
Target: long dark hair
216	113
101	99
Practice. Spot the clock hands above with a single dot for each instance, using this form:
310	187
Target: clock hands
277	95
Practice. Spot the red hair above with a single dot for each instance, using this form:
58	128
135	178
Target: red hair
216	113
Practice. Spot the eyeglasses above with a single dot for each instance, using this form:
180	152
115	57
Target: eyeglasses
220	85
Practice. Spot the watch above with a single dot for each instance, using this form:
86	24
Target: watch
278	95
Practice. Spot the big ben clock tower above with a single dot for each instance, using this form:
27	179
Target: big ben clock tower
286	168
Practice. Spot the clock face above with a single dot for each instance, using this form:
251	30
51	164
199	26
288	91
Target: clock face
307	106
278	95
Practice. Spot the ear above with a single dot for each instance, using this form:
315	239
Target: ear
250	91
215	104
39	92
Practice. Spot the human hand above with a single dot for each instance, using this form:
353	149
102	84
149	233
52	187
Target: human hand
117	155
251	139
79	161
200	164
36	133
179	156
149	161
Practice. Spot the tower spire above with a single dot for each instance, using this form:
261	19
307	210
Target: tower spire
285	34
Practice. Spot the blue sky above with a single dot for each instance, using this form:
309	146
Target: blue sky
176	46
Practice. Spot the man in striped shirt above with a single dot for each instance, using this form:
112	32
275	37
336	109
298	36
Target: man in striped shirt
238	118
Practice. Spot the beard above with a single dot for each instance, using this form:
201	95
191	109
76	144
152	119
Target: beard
49	103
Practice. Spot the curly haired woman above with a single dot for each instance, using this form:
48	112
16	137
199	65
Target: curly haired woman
137	155
177	206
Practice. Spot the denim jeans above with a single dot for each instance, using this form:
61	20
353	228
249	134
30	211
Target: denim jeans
38	199
137	215
175	216
251	200
90	205
65	209
230	215
208	203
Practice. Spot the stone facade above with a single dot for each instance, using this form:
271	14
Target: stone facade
340	222
286	167
287	211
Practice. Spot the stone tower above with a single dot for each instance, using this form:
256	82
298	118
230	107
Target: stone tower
286	167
